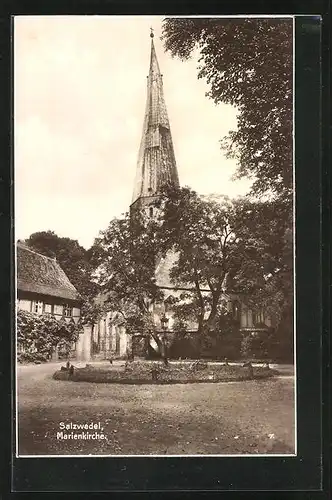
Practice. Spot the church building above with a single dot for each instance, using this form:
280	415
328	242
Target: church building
156	167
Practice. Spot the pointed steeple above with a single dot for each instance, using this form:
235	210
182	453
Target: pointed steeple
156	164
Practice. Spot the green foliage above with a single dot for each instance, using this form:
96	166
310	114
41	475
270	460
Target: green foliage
38	335
201	232
124	257
247	63
229	337
266	246
32	357
246	346
241	246
184	345
91	311
223	342
257	345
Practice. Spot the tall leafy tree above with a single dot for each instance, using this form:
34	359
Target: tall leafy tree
124	257
247	63
201	233
235	246
266	246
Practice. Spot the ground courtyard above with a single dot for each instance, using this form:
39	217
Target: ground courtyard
248	417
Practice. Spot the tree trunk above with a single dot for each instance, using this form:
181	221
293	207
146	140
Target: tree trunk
161	347
201	312
91	342
210	323
200	333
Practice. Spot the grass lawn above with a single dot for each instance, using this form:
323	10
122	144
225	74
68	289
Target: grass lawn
249	417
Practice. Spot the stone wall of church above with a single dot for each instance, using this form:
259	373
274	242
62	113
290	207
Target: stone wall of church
109	339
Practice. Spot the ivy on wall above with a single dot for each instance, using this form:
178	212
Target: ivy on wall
39	335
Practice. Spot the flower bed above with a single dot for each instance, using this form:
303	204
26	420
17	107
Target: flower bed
140	372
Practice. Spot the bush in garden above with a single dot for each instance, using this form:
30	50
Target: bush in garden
246	346
27	329
229	337
183	345
38	335
199	365
31	357
257	345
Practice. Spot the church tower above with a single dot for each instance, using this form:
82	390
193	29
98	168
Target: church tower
156	165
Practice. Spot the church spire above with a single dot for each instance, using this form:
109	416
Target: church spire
156	164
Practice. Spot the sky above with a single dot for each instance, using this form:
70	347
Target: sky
79	101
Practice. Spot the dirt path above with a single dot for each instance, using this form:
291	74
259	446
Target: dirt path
224	418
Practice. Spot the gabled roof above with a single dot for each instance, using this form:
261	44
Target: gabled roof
40	274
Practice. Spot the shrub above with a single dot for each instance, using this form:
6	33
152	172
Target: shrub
184	345
37	336
246	346
223	342
31	357
257	345
199	365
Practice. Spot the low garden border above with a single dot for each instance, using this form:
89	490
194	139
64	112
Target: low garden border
140	372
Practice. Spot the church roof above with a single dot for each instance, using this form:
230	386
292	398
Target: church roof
43	275
156	165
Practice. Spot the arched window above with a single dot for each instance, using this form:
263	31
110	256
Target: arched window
236	308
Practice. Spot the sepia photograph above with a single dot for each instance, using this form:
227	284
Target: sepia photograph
154	236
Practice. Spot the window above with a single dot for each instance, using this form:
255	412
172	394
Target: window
67	310
151	212
58	310
37	307
48	308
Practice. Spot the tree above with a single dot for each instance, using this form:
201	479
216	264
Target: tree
201	233
124	257
266	247
238	247
247	63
